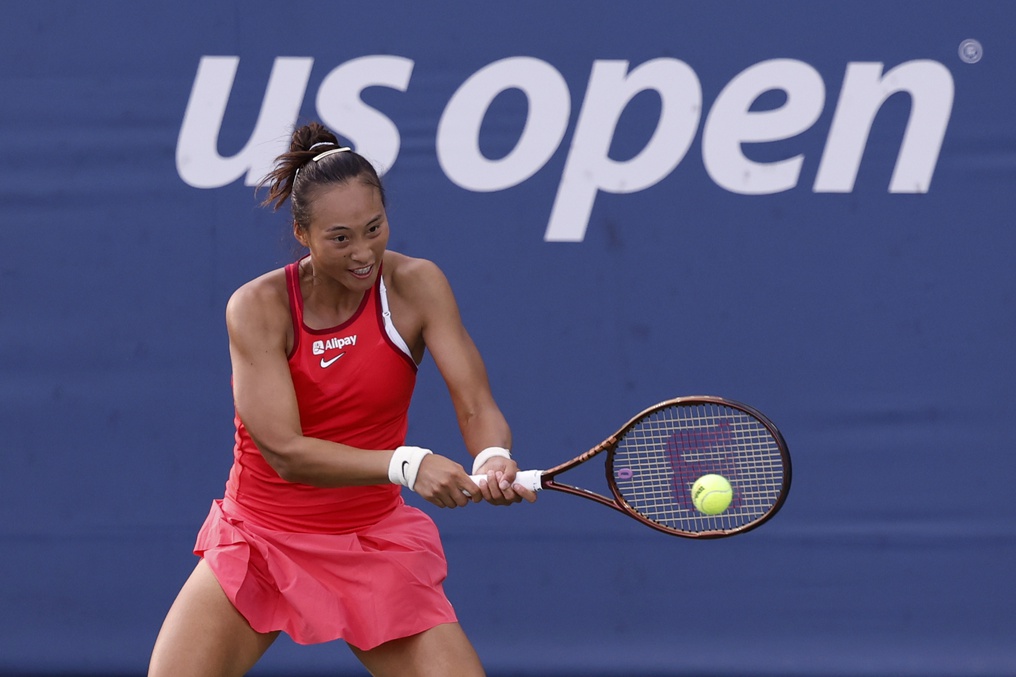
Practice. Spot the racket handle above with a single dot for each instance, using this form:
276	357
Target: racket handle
530	479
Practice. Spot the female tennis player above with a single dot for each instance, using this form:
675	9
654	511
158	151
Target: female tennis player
312	536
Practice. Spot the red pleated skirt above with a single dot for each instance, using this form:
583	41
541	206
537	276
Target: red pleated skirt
366	587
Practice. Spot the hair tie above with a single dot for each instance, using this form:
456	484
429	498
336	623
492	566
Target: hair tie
325	154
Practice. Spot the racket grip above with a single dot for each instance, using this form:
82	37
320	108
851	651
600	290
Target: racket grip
530	479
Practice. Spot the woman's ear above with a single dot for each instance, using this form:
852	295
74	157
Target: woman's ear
301	235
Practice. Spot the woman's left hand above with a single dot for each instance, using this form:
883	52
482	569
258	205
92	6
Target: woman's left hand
498	489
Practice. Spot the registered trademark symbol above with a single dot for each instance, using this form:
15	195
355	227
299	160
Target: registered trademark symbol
971	51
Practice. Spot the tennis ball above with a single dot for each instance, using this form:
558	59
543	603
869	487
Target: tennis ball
711	494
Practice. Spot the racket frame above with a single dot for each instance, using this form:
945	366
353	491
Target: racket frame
609	445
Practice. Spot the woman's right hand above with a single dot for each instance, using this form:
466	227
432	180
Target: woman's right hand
445	483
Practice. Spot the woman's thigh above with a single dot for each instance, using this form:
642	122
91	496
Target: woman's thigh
204	635
442	651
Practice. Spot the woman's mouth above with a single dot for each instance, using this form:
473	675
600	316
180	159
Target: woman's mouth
362	273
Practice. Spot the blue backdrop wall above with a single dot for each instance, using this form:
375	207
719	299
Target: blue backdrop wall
803	206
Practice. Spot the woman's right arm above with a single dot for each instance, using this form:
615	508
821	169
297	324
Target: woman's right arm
258	321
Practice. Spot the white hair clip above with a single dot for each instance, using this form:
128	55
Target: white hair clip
333	151
325	154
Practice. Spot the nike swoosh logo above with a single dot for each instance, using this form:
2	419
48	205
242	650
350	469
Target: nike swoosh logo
327	363
404	464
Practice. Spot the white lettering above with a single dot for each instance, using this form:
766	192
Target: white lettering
458	133
731	123
335	343
930	86
374	135
589	169
198	161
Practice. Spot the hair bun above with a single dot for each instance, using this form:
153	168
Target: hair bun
310	135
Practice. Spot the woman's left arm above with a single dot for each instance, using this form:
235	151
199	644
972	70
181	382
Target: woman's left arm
457	358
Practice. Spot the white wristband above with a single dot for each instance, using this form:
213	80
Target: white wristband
405	464
486	455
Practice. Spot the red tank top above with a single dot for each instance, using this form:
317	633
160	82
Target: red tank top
354	383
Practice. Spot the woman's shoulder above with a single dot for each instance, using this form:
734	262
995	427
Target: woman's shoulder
263	297
401	264
412	277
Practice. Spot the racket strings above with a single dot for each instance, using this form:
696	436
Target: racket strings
658	459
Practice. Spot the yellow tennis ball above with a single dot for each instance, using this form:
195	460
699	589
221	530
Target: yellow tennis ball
711	494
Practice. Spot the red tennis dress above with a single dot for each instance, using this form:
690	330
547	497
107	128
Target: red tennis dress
354	563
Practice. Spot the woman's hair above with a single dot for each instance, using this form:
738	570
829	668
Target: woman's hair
298	177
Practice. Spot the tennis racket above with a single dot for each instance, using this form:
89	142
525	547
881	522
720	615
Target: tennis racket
653	461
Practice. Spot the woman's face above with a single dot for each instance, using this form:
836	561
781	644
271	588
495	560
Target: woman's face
347	234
